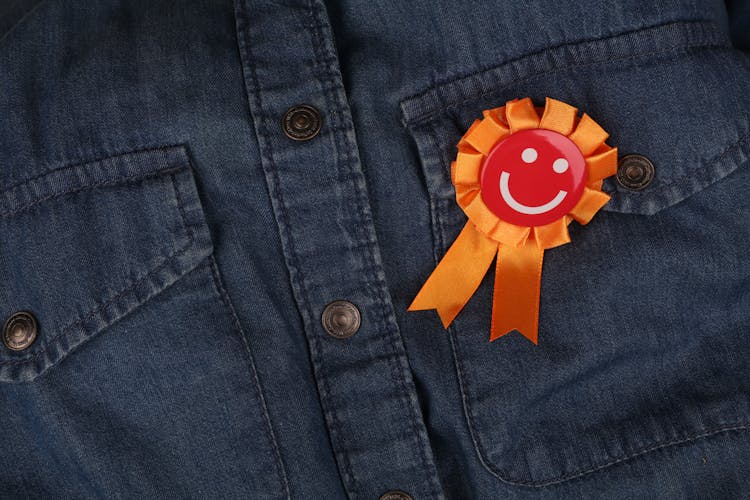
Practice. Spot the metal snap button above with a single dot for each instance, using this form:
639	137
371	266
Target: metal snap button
302	122
341	319
19	331
635	172
395	495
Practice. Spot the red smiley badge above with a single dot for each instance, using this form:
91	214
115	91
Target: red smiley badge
522	174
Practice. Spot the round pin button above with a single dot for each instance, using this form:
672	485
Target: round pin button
533	177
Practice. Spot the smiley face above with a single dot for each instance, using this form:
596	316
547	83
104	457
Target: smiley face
533	177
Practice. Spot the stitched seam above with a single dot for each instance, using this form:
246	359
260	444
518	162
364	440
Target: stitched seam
453	333
661	188
178	196
69	327
107	183
270	434
468	407
503	476
275	190
398	375
441	203
341	143
367	243
66	166
481	71
717	159
482	75
437	202
738	426
66	330
331	106
683	47
26	15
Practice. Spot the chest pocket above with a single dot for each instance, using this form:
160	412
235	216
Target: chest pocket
637	311
84	245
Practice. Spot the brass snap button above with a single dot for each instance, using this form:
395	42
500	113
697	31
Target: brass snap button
395	495
302	122
635	172
341	319
19	331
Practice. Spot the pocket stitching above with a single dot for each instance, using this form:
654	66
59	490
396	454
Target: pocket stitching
468	407
108	183
223	296
677	48
744	139
706	164
58	166
705	42
504	477
159	264
741	146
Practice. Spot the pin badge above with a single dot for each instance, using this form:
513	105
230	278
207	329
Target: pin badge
522	175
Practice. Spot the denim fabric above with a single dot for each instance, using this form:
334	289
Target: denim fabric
739	17
177	250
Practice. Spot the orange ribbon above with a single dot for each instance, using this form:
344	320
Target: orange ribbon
518	250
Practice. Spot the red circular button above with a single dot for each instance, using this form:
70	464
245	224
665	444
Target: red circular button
533	177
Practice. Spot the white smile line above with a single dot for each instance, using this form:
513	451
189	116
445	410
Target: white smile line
526	209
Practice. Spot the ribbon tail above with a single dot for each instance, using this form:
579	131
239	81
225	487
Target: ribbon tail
457	276
515	299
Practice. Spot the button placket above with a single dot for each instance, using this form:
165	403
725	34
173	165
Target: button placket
302	122
318	193
341	319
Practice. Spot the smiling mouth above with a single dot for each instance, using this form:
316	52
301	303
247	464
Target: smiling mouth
526	209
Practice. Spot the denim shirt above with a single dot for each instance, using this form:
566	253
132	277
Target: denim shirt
178	250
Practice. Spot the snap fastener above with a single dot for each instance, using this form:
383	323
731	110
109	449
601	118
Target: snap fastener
341	319
395	495
635	172
19	331
302	122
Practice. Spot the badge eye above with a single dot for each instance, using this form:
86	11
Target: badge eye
529	155
560	165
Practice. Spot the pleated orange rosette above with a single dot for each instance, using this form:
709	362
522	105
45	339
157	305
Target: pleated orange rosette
495	157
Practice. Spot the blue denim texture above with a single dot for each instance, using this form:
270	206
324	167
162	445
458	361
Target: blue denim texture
178	250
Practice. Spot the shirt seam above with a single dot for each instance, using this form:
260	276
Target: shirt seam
433	93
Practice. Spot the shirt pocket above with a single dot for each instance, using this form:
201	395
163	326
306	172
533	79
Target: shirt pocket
609	383
84	245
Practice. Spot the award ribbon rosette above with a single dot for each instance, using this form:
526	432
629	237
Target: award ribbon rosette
521	175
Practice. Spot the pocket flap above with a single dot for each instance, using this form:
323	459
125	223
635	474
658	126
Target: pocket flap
84	245
675	93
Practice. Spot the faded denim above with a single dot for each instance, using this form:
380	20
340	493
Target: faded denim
178	250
